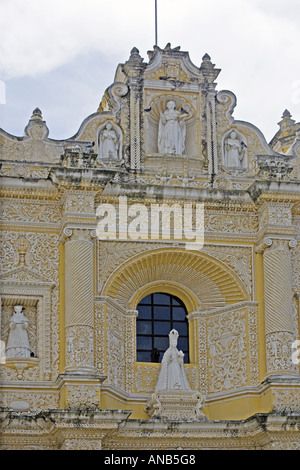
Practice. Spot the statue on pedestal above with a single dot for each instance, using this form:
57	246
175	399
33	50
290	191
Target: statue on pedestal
18	342
173	398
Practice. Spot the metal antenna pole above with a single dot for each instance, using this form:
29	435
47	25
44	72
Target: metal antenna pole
156	22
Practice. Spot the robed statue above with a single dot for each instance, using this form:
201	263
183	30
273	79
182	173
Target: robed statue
18	342
172	374
235	152
172	130
108	143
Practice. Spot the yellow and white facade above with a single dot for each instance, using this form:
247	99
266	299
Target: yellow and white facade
82	386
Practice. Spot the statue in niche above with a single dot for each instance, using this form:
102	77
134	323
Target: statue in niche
172	375
172	130
108	143
234	152
18	342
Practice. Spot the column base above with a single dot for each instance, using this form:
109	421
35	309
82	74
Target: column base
80	389
285	390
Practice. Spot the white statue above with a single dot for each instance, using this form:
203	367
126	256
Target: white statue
172	375
18	342
235	152
108	143
172	130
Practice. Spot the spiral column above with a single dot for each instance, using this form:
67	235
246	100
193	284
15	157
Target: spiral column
79	308
279	322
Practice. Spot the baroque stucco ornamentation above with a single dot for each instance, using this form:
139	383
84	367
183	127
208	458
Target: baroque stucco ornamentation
37	401
116	347
33	145
80	346
227	351
111	254
42	257
242	303
279	352
287	401
82	396
25	211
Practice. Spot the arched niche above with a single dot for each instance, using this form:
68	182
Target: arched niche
152	118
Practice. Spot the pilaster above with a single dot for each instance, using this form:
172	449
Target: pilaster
79	305
134	67
280	328
212	149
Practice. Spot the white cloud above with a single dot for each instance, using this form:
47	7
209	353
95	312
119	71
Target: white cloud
37	36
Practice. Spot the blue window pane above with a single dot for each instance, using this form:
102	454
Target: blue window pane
161	299
162	328
161	343
144	342
143	356
182	344
181	328
186	358
146	300
162	313
179	313
144	328
144	311
176	302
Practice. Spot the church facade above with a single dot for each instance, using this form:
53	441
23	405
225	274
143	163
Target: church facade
162	214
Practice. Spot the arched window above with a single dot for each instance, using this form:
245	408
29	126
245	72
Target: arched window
158	314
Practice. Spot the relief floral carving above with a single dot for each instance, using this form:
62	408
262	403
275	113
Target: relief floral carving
227	351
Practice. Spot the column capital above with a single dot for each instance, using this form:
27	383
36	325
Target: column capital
273	243
266	243
78	233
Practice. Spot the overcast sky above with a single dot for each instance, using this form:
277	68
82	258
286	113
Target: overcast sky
61	55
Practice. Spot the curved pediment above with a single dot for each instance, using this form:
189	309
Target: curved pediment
173	64
24	275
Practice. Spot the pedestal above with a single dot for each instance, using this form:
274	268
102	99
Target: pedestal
176	405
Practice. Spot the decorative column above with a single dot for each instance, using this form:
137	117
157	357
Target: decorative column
80	384
279	322
212	149
134	68
79	306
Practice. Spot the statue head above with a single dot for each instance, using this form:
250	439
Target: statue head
171	104
173	336
18	309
